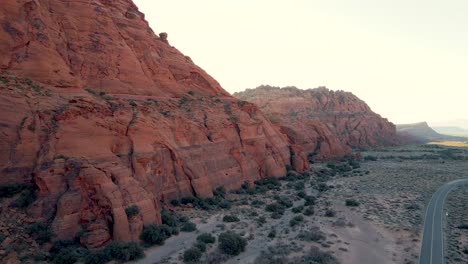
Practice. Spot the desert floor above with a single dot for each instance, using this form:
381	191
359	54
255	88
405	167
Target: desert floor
365	211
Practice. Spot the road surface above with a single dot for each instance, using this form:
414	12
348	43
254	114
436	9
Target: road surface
432	247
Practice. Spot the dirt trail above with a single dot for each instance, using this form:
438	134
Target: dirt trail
369	244
178	243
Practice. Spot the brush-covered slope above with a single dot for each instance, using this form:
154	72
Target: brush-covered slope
326	123
98	114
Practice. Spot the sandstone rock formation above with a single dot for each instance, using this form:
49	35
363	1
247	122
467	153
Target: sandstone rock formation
325	123
99	113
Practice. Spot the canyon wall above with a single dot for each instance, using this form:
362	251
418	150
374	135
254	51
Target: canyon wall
98	113
325	123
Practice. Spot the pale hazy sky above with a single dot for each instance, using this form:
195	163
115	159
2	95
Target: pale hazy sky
408	59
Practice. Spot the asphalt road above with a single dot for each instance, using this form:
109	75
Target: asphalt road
432	247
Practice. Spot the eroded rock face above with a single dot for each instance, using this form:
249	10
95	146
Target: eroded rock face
325	123
100	114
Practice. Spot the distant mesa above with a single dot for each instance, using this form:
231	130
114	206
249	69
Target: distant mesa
422	133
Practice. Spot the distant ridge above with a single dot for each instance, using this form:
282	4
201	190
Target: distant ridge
422	132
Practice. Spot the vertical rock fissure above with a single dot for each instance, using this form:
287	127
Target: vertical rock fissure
130	141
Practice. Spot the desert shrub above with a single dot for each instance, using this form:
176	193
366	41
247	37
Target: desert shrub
155	234
276	215
192	255
309	211
352	202
412	206
200	245
183	100
322	187
220	191
275	208
132	211
230	218
231	243
188	227
61	244
301	194
330	213
257	203
98	257
296	220
297	209
309	200
206	238
40	232
175	202
170	219
315	255
189	200
65	256
8	191
26	198
370	158
285	202
261	220
268	181
272	233
313	235
124	251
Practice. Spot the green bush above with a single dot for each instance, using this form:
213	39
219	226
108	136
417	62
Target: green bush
175	202
231	243
330	213
309	211
272	233
200	245
309	200
155	234
313	235
8	191
192	255
352	202
26	198
98	257
188	227
276	215
370	158
40	232
297	209
206	238
170	219
315	255
275	208
66	256
296	220
261	220
132	211
124	251
301	194
230	218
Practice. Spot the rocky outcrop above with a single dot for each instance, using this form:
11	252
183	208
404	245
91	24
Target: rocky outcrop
99	113
325	123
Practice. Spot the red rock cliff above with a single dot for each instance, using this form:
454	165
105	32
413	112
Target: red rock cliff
324	122
100	114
